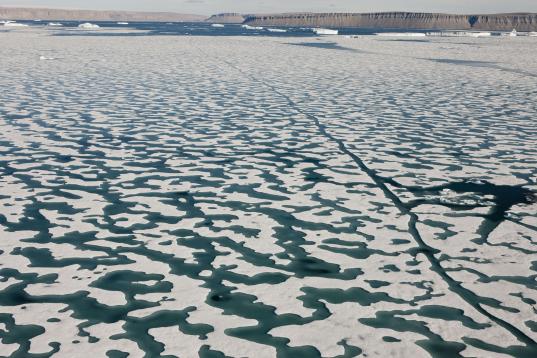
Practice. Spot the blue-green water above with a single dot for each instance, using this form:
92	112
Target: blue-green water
194	29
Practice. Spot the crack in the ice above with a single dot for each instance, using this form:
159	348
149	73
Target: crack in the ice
467	295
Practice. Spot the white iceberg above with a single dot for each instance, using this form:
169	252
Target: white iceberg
54	24
217	25
401	34
277	30
319	31
248	27
480	34
459	34
13	24
88	26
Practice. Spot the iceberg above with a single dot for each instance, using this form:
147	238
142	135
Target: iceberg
217	25
54	24
277	30
325	31
480	34
459	34
401	34
88	26
248	27
13	24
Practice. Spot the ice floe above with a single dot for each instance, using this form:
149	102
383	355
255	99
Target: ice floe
13	24
88	26
321	31
247	197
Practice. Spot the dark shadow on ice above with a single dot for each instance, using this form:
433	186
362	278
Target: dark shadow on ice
492	65
403	40
324	46
463	62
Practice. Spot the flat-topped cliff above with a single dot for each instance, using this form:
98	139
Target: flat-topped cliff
387	20
21	13
399	20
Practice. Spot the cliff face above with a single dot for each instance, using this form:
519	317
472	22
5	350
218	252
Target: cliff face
228	18
400	20
13	13
521	22
391	20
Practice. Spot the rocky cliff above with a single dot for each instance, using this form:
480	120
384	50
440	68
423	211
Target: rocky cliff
400	20
18	13
387	20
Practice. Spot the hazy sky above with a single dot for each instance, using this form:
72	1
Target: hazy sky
250	6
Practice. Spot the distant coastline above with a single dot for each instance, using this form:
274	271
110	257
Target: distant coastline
391	20
22	13
386	20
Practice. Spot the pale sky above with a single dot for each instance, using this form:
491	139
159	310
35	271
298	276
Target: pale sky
260	6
